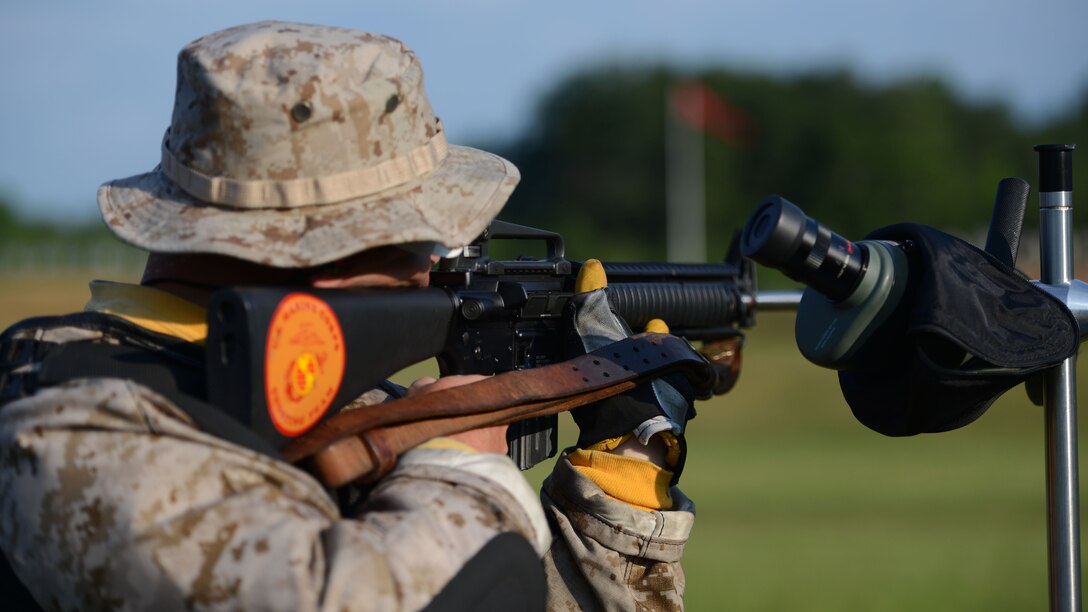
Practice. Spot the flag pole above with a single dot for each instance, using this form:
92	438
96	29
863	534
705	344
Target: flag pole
685	183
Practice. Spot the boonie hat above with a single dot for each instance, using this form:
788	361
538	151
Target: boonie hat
293	145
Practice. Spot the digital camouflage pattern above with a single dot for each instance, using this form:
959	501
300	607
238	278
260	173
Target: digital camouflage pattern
609	555
111	498
293	145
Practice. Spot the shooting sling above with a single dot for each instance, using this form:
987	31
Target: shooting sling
358	444
363	444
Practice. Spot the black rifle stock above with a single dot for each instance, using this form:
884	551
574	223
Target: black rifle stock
479	316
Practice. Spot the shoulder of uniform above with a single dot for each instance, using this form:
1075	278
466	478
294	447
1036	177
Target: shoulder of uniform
95	327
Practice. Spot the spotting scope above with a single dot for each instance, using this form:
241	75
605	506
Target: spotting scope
853	290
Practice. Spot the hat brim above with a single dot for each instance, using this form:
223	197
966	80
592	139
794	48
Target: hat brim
450	205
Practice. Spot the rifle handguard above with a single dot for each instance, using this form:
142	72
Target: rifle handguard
362	444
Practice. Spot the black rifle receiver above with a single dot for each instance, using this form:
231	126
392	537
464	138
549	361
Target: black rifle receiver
513	315
479	316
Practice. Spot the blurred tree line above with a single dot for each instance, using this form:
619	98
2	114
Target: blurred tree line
36	247
15	229
856	156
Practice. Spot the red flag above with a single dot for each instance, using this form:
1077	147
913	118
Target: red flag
701	108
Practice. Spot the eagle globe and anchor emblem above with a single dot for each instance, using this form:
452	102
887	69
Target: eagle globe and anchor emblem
304	362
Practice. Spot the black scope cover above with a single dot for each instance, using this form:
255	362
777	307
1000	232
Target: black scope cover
974	328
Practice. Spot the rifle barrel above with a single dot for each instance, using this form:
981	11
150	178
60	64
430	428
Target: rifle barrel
767	301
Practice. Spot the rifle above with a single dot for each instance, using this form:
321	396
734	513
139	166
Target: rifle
282	360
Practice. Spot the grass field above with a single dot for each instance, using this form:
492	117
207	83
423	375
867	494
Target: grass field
801	508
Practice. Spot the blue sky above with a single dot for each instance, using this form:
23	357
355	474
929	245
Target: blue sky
87	87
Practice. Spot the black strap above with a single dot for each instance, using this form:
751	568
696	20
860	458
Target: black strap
111	326
172	368
505	575
180	383
63	362
16	595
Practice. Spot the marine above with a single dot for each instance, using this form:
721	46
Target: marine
310	156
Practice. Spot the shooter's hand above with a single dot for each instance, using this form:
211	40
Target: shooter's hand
662	407
486	439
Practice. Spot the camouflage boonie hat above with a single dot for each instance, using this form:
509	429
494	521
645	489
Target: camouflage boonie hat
293	145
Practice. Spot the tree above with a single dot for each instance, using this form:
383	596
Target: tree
855	155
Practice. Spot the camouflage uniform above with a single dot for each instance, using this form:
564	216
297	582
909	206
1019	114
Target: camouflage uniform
111	496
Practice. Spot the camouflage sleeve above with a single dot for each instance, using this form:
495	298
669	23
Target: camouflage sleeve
109	498
608	555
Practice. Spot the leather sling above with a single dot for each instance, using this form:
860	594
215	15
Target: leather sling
362	444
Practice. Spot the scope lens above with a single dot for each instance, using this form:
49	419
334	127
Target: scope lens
779	235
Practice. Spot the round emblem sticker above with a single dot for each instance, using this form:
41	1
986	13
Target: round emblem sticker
303	363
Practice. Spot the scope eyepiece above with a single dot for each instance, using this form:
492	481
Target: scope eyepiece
779	235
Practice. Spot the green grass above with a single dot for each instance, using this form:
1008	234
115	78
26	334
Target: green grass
801	508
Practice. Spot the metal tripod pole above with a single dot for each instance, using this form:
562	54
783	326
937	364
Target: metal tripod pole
1060	391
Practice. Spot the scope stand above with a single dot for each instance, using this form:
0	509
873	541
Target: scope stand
1059	391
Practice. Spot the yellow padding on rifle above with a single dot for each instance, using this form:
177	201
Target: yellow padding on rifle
151	309
638	483
657	326
591	277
